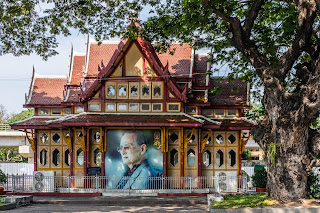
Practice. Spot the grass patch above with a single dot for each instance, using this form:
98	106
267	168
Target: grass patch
244	201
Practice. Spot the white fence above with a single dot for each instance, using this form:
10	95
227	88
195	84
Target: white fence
28	183
17	168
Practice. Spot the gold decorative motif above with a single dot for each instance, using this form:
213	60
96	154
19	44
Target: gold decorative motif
32	142
102	148
187	139
164	143
181	147
204	142
243	143
81	139
68	140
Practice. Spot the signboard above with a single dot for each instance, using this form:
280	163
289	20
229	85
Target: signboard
93	171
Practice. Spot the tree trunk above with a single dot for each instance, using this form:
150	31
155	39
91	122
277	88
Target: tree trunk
285	137
287	176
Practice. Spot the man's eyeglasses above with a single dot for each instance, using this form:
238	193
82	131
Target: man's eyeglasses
124	148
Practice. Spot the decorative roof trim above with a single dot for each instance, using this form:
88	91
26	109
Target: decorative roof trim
68	117
192	62
31	86
33	118
208	119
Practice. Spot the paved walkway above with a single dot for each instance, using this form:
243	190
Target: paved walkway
124	200
116	204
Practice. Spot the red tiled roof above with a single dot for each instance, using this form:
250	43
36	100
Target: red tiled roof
77	71
129	119
99	54
200	66
179	62
233	93
36	121
74	96
47	91
236	122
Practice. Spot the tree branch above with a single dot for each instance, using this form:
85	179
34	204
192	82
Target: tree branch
251	17
307	13
220	13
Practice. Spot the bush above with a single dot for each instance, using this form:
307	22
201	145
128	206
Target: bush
3	177
313	186
259	178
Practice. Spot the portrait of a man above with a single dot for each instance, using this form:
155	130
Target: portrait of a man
139	173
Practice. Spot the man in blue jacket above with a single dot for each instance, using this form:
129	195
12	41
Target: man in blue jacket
140	175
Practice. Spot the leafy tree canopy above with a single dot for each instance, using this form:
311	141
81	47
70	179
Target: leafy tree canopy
271	43
24	114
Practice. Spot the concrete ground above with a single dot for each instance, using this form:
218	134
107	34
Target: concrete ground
54	208
115	204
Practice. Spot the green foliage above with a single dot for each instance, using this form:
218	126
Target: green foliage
246	154
11	155
257	112
24	114
244	201
272	152
259	178
313	186
3	177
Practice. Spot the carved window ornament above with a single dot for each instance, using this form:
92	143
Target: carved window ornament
191	157
66	111
111	91
44	138
56	111
232	139
80	138
80	156
110	107
56	157
94	107
134	90
173	136
97	157
219	139
96	136
133	107
232	158
145	107
219	158
67	157
43	157
206	139
157	107
44	111
56	138
122	90
174	157
207	158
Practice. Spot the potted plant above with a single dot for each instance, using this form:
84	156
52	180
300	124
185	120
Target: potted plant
259	180
3	180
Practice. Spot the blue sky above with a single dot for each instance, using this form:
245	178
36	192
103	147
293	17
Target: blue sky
16	71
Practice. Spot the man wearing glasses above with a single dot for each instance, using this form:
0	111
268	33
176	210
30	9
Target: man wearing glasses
140	175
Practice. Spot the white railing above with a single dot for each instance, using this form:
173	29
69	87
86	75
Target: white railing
5	127
204	184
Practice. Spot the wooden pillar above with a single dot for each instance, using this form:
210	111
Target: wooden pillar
103	172
71	152
182	168
199	155
35	155
102	96
199	169
85	165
